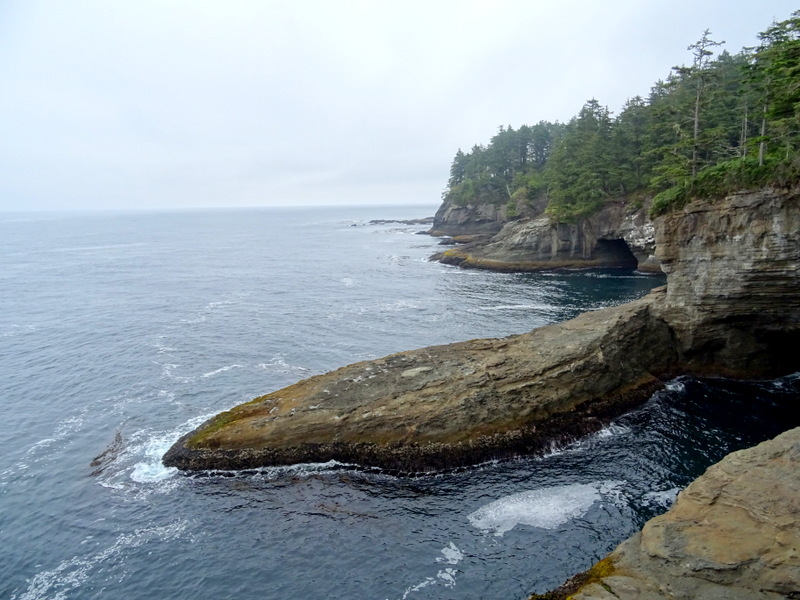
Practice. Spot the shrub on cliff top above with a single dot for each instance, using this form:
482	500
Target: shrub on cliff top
722	179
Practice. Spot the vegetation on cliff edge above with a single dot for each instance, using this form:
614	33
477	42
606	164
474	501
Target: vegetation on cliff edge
718	125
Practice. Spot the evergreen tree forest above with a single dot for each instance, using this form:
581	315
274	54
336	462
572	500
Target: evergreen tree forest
722	123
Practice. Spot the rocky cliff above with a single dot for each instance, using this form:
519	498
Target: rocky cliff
615	236
733	534
456	220
733	273
730	306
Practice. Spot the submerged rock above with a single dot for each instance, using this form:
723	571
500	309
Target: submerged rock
733	534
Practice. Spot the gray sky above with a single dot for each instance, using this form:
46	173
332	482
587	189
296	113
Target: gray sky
167	103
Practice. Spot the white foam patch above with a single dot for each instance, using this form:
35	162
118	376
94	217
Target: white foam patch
451	555
447	577
415	588
675	386
63	581
782	382
13	330
279	365
220	370
161	346
153	447
517	307
547	508
397	306
612	430
168	372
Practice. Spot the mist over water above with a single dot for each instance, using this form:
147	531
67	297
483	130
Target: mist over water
121	332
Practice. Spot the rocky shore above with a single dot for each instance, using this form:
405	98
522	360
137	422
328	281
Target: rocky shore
452	405
614	237
731	306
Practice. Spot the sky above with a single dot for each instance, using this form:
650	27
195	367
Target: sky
165	104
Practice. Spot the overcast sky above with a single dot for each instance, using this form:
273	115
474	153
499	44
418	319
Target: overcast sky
167	103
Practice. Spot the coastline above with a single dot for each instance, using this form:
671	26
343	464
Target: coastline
731	307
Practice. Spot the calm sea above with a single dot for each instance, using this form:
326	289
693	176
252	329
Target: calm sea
120	332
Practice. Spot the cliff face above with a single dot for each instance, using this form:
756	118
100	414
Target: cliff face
615	236
454	220
734	533
733	272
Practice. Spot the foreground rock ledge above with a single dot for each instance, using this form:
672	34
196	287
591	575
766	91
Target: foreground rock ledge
447	406
733	534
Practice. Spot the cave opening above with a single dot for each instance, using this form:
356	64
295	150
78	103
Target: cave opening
616	253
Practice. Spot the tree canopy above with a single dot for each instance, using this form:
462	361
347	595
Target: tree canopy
723	122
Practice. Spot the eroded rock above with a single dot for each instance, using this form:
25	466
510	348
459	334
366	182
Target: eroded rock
731	306
733	273
613	237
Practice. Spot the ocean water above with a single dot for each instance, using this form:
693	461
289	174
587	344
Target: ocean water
121	332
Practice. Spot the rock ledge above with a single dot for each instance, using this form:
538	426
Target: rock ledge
733	534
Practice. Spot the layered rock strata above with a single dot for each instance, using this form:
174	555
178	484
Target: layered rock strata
454	220
733	534
613	237
733	273
451	405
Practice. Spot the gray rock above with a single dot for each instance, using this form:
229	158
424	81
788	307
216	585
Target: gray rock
733	273
615	236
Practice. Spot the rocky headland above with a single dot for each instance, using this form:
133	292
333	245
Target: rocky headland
451	405
616	236
730	307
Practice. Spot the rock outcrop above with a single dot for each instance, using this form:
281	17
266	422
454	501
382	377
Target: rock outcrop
733	273
615	237
453	220
451	405
733	534
731	306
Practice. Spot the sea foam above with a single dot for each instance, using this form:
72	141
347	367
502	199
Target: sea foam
547	508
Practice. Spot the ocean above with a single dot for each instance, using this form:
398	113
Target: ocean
119	332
